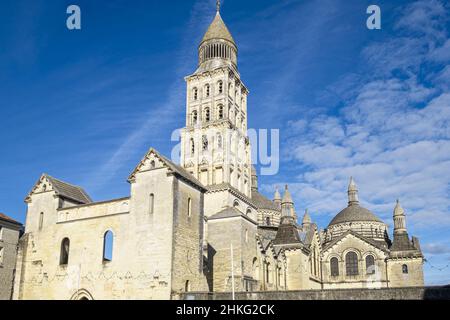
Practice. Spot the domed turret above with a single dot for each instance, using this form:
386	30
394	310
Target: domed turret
217	47
399	218
357	218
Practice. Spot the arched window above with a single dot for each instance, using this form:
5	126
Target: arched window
351	264
195	93
236	204
221	112
187	286
207	114
194	117
246	235
370	265
189	207
219	141
207	90
405	268
151	204
41	220
205	143
64	256
220	85
249	211
108	243
152	164
334	267
268	221
192	146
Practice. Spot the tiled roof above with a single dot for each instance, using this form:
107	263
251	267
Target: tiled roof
261	202
354	212
218	30
9	219
69	191
228	212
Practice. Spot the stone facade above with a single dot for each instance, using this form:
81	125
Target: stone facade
9	237
203	225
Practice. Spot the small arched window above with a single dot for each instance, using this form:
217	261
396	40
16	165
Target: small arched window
108	243
192	146
64	256
187	286
189	207
334	267
207	114
249	211
151	204
152	164
220	85
351	264
207	91
195	93
194	117
370	265
404	268
41	220
236	204
204	143
221	112
246	235
268	221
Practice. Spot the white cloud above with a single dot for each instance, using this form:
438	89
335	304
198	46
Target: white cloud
392	133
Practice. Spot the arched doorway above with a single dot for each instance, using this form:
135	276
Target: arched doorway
82	294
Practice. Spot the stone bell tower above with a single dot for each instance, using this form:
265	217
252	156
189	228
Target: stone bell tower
214	144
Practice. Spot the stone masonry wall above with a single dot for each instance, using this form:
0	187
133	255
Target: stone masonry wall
410	293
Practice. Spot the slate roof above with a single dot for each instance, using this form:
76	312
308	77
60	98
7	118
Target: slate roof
218	30
287	234
229	212
181	172
402	243
176	169
261	202
352	213
4	217
68	190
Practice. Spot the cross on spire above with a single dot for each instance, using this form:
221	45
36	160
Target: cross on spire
218	5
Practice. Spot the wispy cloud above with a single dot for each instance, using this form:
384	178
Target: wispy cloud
158	116
391	130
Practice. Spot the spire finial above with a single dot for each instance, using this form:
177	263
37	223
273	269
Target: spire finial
218	5
352	192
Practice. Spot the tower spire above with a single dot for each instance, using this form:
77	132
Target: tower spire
352	193
218	5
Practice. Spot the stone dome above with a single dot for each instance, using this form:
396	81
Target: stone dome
353	213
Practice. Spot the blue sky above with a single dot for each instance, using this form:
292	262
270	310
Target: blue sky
84	106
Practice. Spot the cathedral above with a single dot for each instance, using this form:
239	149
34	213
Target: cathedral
202	225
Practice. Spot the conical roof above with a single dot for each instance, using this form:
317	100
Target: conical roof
277	195
218	30
306	218
398	210
287	198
